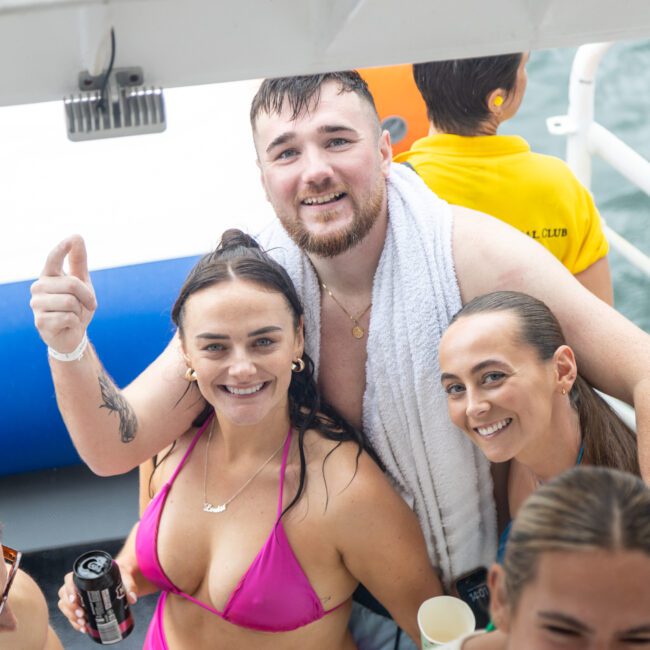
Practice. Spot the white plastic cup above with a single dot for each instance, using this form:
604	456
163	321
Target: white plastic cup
444	619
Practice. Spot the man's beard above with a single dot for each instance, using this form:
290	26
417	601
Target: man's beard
344	239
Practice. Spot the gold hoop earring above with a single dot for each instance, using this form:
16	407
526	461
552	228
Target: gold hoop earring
298	365
190	375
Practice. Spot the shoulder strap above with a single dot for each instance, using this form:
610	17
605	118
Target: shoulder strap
285	455
208	422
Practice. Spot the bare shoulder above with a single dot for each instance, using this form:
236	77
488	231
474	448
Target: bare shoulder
25	590
344	476
53	642
490	255
166	461
30	609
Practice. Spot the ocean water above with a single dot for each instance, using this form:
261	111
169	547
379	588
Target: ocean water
623	107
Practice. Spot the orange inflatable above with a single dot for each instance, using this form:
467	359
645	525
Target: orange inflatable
399	104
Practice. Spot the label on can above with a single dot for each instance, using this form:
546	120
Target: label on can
103	614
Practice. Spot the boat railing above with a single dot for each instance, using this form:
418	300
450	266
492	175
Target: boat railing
586	138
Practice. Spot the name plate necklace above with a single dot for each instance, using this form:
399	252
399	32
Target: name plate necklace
209	507
357	331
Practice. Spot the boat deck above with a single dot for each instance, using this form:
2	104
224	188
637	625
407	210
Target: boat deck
48	567
55	515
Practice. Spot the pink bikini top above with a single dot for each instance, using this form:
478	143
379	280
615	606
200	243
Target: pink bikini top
274	595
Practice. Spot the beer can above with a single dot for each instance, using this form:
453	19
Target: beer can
99	585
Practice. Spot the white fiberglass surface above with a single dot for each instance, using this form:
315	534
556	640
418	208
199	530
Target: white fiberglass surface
154	197
134	199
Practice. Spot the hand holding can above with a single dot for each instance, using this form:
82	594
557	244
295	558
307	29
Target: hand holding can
100	590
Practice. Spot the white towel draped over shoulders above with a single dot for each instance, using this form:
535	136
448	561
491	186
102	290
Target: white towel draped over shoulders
415	293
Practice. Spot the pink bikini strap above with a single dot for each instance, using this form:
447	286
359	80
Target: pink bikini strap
190	448
285	455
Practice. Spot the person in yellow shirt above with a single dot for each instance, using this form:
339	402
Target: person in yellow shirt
465	162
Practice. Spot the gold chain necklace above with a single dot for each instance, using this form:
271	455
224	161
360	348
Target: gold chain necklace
208	507
357	330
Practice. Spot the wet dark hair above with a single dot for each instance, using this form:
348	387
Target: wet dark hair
239	257
455	92
303	91
608	441
584	509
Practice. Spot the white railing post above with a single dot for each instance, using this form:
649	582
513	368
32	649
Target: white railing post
585	138
582	89
575	125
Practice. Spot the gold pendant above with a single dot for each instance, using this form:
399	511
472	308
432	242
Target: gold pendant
357	332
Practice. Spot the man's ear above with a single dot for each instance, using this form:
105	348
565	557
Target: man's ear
385	152
566	368
499	606
262	180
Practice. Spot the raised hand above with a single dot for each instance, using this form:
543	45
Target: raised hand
63	305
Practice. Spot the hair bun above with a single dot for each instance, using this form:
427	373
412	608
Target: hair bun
235	238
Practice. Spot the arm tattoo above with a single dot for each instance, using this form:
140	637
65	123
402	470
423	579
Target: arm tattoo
113	401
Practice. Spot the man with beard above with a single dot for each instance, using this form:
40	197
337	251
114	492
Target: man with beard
382	264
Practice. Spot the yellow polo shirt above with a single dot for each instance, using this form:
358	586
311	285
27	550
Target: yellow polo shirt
500	175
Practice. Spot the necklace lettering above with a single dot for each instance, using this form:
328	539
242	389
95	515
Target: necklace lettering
209	507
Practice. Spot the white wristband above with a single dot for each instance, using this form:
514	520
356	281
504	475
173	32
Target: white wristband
75	355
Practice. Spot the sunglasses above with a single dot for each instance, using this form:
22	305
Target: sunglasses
12	558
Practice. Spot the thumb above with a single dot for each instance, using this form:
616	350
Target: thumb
130	586
78	259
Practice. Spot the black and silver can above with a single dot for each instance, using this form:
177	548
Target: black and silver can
99	585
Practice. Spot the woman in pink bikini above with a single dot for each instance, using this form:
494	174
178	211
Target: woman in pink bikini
268	514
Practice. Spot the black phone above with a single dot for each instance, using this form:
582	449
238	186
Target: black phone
473	589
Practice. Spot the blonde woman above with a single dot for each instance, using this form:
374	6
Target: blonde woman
577	568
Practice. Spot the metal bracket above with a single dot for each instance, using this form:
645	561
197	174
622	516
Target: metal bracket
130	108
561	125
123	77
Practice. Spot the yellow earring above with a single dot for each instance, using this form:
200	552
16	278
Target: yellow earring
498	100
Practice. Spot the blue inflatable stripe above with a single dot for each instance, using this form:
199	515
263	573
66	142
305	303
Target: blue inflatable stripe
130	328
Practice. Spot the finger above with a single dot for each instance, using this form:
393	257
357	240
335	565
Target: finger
78	258
76	615
54	323
129	584
71	612
58	302
54	262
68	594
131	591
46	287
77	624
69	588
